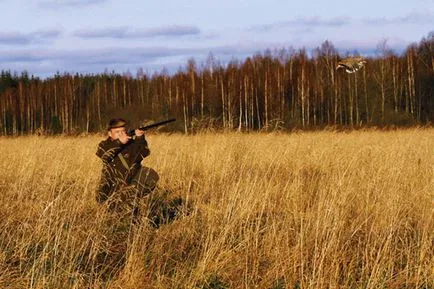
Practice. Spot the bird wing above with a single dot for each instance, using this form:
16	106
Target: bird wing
344	65
351	64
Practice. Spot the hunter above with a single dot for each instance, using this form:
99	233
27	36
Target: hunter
122	171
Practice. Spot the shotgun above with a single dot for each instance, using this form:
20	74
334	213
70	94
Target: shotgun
147	127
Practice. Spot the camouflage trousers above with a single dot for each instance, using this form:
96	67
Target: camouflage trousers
145	181
126	195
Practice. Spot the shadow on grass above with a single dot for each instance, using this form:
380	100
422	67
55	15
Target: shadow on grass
119	225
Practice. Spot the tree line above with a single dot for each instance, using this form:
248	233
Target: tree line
282	89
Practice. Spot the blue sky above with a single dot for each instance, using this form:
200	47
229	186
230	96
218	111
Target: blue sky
46	36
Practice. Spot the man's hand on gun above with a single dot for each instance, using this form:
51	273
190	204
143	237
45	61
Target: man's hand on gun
124	137
139	132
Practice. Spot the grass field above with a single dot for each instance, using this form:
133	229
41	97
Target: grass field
300	210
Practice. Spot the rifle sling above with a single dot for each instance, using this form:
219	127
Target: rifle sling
124	162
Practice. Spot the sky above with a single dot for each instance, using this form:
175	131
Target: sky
44	37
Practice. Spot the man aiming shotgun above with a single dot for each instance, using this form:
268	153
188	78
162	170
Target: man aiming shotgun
122	153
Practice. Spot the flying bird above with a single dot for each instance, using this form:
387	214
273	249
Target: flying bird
352	64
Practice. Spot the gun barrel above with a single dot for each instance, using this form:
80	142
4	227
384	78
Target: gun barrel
147	127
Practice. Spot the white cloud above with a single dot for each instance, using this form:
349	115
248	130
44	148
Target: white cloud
18	38
68	3
411	18
126	32
306	22
13	38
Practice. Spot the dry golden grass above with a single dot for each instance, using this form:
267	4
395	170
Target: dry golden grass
301	210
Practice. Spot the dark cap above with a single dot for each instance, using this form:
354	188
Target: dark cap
116	122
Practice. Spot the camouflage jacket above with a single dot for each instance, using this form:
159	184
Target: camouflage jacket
120	162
